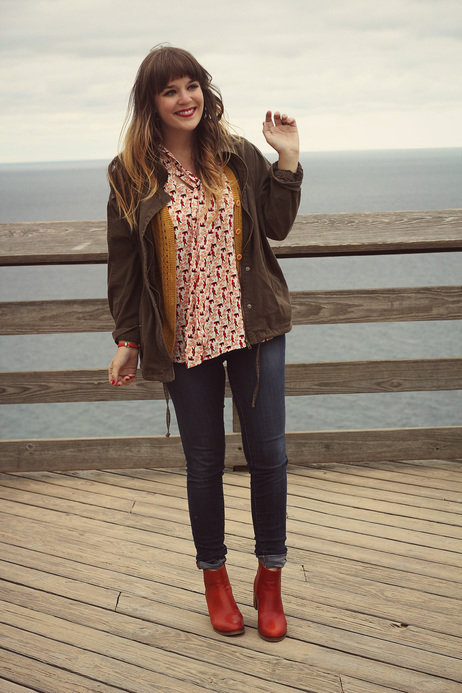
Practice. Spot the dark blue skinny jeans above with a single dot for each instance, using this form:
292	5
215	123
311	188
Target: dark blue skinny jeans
198	397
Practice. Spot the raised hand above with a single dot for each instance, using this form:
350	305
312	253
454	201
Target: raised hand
282	134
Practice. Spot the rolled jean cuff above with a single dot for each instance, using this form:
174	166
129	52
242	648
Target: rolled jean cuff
274	561
211	565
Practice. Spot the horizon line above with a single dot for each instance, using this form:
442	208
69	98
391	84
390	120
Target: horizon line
265	152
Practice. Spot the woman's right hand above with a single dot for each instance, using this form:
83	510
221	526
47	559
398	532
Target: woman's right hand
122	369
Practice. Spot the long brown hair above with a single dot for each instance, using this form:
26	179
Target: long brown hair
133	174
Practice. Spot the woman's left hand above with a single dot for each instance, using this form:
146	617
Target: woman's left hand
282	134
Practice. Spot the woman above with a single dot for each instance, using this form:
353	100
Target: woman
192	283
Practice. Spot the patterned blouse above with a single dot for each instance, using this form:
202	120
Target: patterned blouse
209	318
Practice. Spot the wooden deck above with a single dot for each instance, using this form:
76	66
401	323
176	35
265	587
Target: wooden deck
99	591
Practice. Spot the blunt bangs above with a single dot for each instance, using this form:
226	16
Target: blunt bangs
167	64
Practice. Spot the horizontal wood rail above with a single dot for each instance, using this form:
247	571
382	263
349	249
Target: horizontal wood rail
407	375
64	242
313	235
302	447
309	308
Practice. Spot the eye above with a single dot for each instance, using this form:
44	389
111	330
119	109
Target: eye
194	85
169	92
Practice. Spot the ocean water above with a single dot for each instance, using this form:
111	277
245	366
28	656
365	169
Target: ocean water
334	182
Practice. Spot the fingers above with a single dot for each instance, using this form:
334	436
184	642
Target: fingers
118	380
117	377
279	119
283	119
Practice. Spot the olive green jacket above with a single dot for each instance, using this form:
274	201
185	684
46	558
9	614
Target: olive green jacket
269	199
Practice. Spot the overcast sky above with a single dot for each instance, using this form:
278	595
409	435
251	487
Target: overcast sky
357	74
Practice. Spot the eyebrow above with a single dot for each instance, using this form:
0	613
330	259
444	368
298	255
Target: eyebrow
172	86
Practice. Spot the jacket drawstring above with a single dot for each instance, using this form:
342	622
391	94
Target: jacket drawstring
257	384
167	413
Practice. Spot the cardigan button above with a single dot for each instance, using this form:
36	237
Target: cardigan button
249	306
237	231
247	269
238	203
238	256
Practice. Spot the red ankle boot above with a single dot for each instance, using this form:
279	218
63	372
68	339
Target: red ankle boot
272	624
224	614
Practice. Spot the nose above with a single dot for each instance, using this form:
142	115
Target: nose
184	96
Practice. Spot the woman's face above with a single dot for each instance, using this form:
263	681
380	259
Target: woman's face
180	106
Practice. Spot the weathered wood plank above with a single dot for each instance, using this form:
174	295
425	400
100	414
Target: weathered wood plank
88	496
443	442
308	308
411	515
379	444
24	669
325	586
46	582
382	522
53	242
10	687
376	305
408	375
354	685
312	235
31	387
438	467
415	494
75	453
372	233
83	661
422	484
55	316
441	469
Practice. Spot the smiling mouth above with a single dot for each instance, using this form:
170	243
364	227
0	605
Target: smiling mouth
186	113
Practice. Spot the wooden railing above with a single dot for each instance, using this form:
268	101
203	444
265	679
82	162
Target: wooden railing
312	235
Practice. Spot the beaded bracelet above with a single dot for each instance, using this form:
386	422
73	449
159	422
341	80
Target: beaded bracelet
130	345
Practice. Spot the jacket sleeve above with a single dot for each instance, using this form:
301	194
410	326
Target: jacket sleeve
124	275
277	193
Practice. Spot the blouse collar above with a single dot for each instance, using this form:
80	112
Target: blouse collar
174	167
